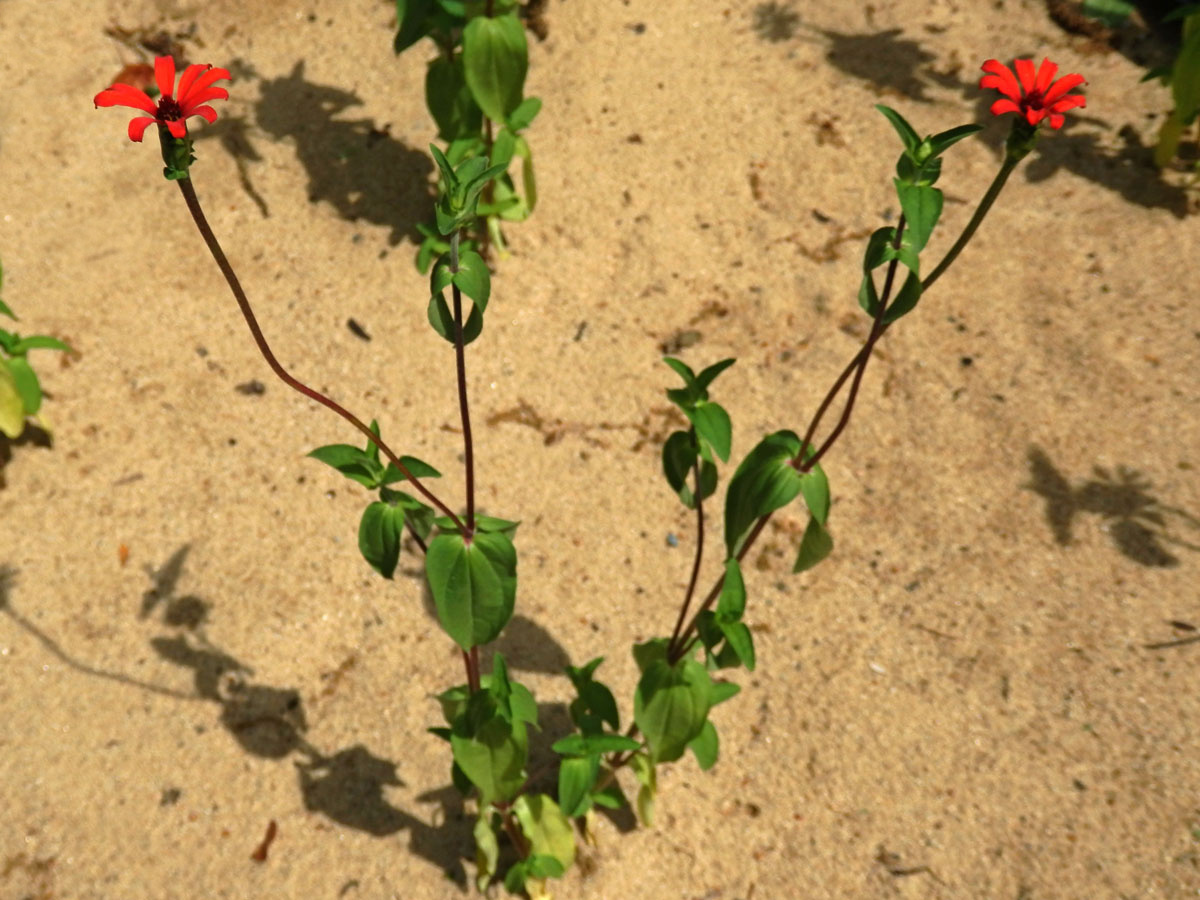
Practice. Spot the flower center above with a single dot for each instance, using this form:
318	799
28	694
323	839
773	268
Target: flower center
169	110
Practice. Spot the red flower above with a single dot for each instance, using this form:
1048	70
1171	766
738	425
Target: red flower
1036	97
195	88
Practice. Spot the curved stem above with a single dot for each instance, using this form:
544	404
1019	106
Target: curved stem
214	247
985	204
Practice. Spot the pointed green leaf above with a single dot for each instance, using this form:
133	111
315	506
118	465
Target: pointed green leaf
946	139
814	485
521	117
12	407
576	778
724	690
732	602
442	320
379	534
410	16
643	769
678	458
814	546
353	462
548	830
705	746
906	300
740	641
922	206
473	586
473	278
493	758
487	850
670	706
713	426
706	377
763	483
450	101
26	383
39	342
593	744
495	58
907	134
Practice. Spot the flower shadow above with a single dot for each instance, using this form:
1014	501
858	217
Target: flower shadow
352	163
1135	520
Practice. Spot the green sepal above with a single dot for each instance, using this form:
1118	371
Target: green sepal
176	153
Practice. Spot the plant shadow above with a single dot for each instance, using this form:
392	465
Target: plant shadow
1135	520
32	436
353	164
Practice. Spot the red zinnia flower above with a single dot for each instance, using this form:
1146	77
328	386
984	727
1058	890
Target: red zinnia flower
171	111
1035	97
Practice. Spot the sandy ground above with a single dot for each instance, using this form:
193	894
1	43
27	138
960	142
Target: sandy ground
977	696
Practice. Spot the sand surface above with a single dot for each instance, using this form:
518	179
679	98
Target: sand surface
977	695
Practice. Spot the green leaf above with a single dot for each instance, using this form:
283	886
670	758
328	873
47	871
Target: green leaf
876	253
670	706
678	457
473	586
595	703
449	179
922	206
6	311
763	483
732	602
39	341
379	535
1185	79
12	407
1111	12
576	778
503	148
353	462
495	58
713	427
418	468
450	101
740	641
705	746
522	117
643	769
943	141
492	758
442	320
682	369
487	850
814	546
814	485
612	797
705	378
907	134
724	690
26	383
590	744
548	830
906	300
410	15
649	652
528	181
473	278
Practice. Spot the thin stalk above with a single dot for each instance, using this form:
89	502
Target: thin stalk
471	664
214	247
985	204
691	588
464	410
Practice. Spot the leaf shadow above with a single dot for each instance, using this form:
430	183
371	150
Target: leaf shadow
32	436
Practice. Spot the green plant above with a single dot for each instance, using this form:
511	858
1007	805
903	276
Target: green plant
470	560
20	389
474	88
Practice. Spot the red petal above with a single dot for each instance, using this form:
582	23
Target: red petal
125	95
1000	107
138	126
198	97
206	80
1055	120
1061	106
207	113
190	74
1064	84
1045	75
177	128
1000	78
1033	116
164	74
1024	69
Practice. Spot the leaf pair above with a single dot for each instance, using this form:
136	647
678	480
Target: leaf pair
20	390
711	434
473	581
769	479
382	524
473	279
